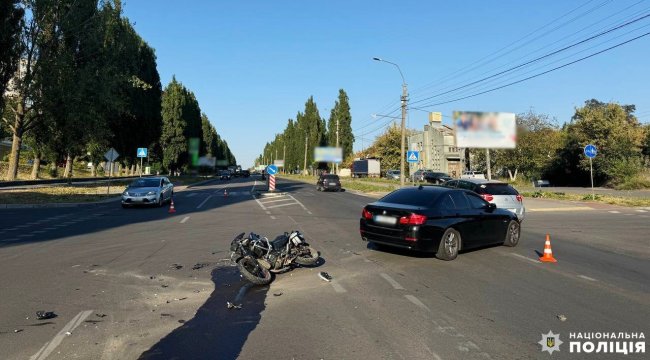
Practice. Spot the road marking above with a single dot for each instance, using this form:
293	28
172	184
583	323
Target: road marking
184	219
253	188
259	203
337	287
641	211
586	278
417	302
575	208
391	281
276	206
525	258
270	201
614	212
47	349
273	217
299	203
204	201
309	212
268	213
191	194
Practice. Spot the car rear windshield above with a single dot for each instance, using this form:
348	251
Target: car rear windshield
496	189
145	183
331	177
411	196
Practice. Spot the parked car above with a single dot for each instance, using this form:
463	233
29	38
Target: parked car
218	173
419	175
496	192
393	174
225	175
328	182
472	175
437	219
245	173
436	177
148	191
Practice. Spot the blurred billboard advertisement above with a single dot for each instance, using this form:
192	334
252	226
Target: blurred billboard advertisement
492	130
328	154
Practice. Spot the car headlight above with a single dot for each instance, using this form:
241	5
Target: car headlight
125	193
151	193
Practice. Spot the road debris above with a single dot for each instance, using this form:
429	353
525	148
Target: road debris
325	276
18	330
180	299
152	277
43	315
199	266
562	317
233	306
277	294
177	266
100	315
68	333
164	285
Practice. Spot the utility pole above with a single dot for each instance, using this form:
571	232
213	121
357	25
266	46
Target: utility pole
284	158
305	166
487	161
337	140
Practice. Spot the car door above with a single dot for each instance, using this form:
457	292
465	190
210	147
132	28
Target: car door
469	220
491	222
169	188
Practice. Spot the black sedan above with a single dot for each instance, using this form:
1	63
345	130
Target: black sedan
436	178
437	219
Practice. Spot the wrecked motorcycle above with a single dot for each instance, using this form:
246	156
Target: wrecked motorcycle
282	253
247	263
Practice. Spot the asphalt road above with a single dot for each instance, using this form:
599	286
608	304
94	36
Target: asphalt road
112	278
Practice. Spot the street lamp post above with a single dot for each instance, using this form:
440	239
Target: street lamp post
401	176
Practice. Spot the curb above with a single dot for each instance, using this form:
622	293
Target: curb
89	204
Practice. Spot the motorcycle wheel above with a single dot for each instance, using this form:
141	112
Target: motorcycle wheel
310	259
253	272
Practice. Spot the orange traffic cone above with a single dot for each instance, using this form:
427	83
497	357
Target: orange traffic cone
225	192
548	253
171	208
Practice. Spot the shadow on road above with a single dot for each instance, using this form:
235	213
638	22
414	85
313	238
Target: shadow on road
215	332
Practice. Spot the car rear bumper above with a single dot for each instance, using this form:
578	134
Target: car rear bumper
383	237
331	187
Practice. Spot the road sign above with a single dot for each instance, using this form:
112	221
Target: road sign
310	166
271	182
413	156
272	169
590	151
111	155
142	152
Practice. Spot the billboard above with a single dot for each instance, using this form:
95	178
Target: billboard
207	161
484	130
278	163
328	154
222	162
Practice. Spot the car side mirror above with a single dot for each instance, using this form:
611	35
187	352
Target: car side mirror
127	187
491	207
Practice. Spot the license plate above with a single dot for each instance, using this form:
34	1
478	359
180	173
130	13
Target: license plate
385	220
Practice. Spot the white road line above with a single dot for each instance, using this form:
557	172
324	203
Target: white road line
204	201
273	217
47	349
391	281
525	258
641	211
586	278
185	219
309	212
276	206
299	203
191	194
253	188
270	201
614	212
417	302
259	203
268	213
337	287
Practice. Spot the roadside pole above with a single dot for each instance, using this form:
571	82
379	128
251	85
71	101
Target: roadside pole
487	162
110	167
111	155
591	172
141	167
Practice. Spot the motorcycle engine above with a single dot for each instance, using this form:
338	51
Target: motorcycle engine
296	238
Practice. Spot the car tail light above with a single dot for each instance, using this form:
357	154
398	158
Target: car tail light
366	214
519	198
413	219
487	197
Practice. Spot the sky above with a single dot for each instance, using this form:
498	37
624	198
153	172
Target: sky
253	64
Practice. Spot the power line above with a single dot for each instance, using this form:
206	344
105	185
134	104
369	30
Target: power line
542	73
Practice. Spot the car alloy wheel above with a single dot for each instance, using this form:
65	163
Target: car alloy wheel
451	244
513	234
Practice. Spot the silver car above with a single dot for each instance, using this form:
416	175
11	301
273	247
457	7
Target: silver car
393	174
148	191
503	195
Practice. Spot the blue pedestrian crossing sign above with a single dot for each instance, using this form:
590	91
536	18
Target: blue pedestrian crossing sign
272	169
590	151
412	156
142	152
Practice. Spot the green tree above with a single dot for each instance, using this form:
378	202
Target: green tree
11	19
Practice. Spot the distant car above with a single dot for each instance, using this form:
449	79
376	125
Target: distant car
496	192
393	174
148	191
218	173
225	175
472	175
419	175
437	178
245	173
437	219
328	182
